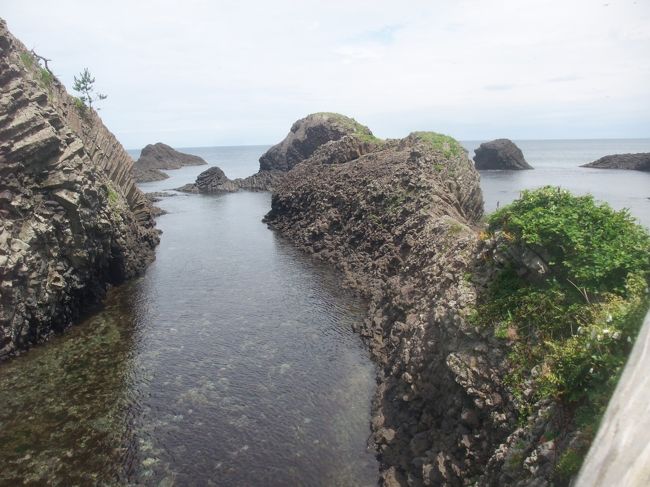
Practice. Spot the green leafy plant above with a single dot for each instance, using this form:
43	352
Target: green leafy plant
571	328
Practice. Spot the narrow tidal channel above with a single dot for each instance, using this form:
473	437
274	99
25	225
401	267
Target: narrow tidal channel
230	363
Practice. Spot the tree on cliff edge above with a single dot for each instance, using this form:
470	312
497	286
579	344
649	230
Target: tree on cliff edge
84	85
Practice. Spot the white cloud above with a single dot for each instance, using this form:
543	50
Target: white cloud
234	72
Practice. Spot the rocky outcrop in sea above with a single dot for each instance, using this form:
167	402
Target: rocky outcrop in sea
637	162
72	220
155	157
306	136
500	154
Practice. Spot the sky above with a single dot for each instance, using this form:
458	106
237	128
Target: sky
202	73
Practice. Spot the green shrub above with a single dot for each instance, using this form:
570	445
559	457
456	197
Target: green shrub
571	329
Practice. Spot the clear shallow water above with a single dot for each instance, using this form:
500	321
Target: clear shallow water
231	362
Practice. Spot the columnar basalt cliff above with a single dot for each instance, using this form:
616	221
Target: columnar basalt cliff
399	221
72	219
402	220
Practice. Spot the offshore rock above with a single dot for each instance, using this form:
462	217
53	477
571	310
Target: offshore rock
500	154
161	156
72	220
214	180
637	162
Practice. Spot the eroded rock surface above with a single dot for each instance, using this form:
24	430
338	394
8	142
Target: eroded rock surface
637	162
72	220
155	157
500	154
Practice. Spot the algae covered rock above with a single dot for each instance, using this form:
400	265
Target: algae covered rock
500	154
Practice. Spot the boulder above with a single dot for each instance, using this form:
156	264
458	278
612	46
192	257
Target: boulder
500	154
637	162
161	156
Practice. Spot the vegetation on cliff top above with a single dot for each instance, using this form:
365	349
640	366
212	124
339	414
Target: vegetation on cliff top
440	142
571	329
358	130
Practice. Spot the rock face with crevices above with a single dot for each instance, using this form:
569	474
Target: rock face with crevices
72	220
155	157
500	154
636	162
399	222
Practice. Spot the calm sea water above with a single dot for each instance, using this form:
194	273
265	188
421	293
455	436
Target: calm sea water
232	361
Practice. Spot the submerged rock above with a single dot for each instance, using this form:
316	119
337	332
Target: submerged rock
72	220
161	156
637	162
500	154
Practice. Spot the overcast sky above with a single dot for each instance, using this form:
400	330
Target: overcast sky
197	73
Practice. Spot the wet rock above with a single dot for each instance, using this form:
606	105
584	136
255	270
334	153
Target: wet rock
637	162
500	154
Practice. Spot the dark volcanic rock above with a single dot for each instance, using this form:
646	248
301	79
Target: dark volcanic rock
637	162
261	181
214	180
72	220
500	154
399	222
306	135
161	156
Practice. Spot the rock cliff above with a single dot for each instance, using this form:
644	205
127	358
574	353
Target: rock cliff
72	220
155	157
637	162
399	222
500	154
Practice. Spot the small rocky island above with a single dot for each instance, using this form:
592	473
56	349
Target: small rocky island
155	157
500	154
635	162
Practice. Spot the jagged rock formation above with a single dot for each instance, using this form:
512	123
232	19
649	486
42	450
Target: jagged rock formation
399	222
307	135
71	218
159	156
500	154
637	162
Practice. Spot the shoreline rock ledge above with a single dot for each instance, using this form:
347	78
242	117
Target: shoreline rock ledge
500	154
155	157
72	221
635	162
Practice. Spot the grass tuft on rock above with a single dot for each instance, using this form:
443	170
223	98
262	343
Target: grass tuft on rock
445	144
571	328
358	130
